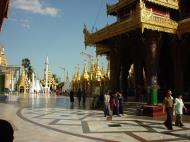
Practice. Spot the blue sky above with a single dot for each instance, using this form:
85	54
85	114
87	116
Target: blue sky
39	28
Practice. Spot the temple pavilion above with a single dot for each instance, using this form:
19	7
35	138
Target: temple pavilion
8	73
151	35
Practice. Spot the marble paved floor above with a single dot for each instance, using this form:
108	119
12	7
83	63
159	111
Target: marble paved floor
53	120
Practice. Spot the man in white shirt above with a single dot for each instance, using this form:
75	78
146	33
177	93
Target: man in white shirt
179	105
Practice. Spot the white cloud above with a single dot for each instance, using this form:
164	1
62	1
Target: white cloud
25	23
34	6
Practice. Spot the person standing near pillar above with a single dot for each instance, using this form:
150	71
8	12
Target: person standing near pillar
116	108
106	104
168	107
120	99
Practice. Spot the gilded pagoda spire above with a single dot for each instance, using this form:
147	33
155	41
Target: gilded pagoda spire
75	75
85	75
92	71
98	73
78	73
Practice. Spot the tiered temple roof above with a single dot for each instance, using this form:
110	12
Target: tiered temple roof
135	15
23	81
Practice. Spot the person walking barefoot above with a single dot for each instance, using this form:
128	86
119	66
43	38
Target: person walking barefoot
179	106
168	107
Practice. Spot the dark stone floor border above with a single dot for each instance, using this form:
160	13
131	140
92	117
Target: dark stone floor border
86	130
19	114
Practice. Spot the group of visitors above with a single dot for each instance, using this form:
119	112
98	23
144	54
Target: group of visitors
113	104
173	106
80	94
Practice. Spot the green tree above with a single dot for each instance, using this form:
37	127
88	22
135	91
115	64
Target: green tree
28	68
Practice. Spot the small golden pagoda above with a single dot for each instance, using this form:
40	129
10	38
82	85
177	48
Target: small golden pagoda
98	74
76	79
23	83
93	81
96	78
85	79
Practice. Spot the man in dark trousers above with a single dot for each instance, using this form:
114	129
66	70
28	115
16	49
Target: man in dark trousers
168	107
71	97
79	95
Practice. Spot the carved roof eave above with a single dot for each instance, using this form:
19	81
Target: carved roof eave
111	9
126	26
174	5
184	26
159	28
9	68
4	12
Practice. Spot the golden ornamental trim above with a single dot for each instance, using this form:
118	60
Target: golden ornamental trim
174	4
152	21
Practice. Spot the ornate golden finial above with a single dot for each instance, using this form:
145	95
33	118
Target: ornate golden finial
142	4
